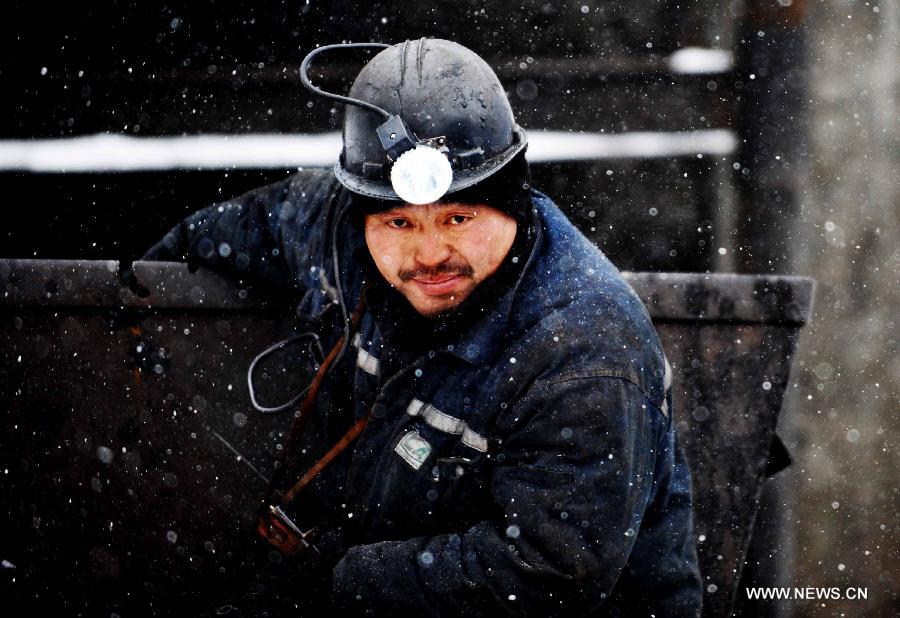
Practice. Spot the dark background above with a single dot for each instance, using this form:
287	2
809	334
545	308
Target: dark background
213	67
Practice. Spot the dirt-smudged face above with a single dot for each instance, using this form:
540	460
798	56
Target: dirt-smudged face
437	254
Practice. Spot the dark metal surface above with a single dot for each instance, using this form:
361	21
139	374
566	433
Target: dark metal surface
769	299
60	282
117	480
103	283
729	381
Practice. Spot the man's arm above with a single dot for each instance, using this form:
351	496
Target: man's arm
573	478
264	235
664	561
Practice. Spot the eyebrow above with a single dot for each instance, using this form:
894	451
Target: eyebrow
401	211
458	206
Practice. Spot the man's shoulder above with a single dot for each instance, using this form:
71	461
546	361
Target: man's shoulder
307	184
572	280
577	309
304	191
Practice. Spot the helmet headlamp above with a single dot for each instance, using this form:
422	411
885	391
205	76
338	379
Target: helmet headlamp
421	175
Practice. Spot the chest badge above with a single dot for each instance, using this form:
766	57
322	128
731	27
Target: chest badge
414	449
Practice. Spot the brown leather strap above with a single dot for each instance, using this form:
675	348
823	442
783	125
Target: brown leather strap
309	403
336	450
275	526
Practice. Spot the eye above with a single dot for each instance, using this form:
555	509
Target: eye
458	219
397	224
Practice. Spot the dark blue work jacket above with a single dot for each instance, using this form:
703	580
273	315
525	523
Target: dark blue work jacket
529	466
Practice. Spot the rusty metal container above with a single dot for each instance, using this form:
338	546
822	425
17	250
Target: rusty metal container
131	462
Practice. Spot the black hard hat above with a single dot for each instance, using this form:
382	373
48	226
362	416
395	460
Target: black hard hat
435	93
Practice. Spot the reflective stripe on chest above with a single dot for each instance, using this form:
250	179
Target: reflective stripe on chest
448	424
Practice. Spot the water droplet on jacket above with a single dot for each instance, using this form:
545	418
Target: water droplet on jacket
206	248
105	454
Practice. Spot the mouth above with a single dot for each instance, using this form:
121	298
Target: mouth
438	286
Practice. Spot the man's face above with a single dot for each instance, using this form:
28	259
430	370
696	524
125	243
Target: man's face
437	254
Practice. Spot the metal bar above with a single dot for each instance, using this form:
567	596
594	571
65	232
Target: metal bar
773	299
121	153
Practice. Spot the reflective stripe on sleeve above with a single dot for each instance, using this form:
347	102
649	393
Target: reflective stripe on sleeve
667	388
364	360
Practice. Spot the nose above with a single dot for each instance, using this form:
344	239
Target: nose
431	249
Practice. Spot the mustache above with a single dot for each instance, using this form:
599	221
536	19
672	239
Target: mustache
447	268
